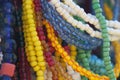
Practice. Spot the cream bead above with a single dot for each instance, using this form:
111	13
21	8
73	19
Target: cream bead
76	76
57	4
54	1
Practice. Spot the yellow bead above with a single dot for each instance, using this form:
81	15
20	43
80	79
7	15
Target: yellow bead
30	16
74	53
32	53
60	50
40	73
43	68
38	48
40	78
30	48
37	43
33	58
73	48
41	64
33	33
39	53
32	29
67	58
32	25
36	68
30	21
33	63
40	58
35	39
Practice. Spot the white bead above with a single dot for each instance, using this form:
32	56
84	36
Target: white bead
76	76
74	23
63	11
57	4
66	16
77	8
70	19
59	9
54	1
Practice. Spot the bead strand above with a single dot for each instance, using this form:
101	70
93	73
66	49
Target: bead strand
84	59
42	37
33	45
106	42
23	64
73	52
89	17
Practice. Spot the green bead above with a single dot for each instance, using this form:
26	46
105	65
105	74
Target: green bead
106	49
98	15
106	39
110	71
103	26
95	1
112	76
107	63
96	6
106	59
85	60
105	35
106	44
104	31
102	21
105	54
108	67
99	10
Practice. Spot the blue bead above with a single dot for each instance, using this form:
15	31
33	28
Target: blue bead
6	78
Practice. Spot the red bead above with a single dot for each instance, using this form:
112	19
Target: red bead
41	33
42	37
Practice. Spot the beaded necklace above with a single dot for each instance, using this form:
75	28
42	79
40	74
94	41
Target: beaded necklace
34	50
67	29
23	66
79	24
9	45
42	37
106	43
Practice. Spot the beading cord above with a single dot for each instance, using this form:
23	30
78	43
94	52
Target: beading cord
34	49
70	31
67	58
42	37
9	44
106	42
80	25
23	66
